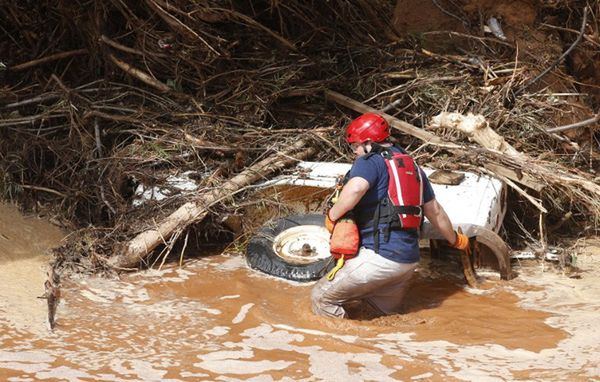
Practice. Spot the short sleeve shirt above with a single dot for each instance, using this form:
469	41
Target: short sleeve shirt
403	245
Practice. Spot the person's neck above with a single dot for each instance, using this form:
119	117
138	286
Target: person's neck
369	146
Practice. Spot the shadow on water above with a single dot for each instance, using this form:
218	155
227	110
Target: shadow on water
433	283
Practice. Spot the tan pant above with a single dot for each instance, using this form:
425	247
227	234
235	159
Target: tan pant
370	277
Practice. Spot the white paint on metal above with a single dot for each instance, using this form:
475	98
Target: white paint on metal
302	244
477	200
173	184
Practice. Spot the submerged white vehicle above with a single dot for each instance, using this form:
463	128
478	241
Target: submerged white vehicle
296	247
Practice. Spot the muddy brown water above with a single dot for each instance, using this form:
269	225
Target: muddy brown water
216	320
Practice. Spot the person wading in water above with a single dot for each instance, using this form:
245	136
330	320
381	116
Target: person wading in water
375	221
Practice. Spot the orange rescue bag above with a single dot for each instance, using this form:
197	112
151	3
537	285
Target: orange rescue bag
344	239
344	243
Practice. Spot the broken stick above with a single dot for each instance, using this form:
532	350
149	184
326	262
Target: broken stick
139	74
52	57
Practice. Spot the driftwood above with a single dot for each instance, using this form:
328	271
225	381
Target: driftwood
177	25
476	128
545	172
532	173
445	177
520	177
430	138
139	247
121	47
405	127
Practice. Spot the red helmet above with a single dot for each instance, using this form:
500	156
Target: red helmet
367	127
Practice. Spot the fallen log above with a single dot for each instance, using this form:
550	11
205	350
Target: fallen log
142	245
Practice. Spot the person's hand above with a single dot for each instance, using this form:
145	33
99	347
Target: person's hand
461	242
329	224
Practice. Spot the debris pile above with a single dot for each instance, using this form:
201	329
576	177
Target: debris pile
101	98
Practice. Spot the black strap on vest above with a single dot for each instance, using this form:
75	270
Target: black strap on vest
385	211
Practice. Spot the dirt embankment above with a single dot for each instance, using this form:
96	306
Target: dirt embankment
24	244
536	28
462	16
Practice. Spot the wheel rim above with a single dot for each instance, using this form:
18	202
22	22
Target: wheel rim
302	244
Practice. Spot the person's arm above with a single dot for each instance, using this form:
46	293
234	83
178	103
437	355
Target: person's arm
440	220
351	194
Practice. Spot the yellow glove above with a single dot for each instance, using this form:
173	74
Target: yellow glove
329	224
461	242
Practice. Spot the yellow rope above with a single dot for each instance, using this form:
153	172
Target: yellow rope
336	196
338	266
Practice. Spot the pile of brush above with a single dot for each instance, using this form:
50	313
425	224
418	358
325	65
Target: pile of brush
101	97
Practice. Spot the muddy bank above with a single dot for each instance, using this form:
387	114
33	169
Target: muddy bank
23	265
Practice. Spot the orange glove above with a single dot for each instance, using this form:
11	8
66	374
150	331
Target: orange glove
461	242
329	224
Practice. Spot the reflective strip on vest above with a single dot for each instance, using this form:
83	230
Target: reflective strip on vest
405	188
396	192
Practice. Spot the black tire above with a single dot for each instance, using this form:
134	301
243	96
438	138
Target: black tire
260	254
